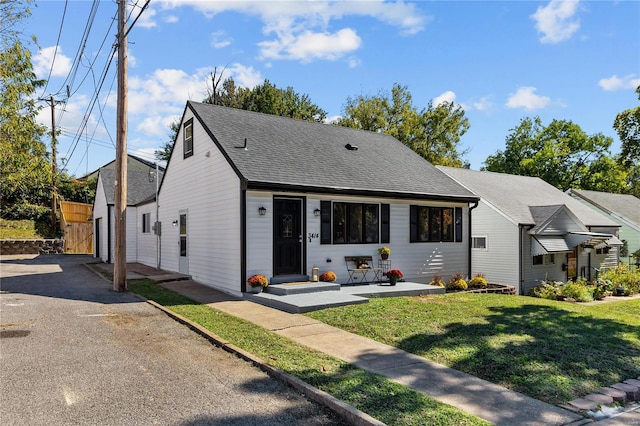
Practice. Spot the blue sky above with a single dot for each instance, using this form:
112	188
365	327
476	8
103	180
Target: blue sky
500	60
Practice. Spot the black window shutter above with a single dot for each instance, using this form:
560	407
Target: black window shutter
325	222
413	224
458	222
384	222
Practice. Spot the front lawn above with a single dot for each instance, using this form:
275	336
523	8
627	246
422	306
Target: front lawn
383	399
552	351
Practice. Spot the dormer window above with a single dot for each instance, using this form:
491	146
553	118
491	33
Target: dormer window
187	138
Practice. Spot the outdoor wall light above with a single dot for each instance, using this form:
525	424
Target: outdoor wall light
587	248
316	212
262	211
174	223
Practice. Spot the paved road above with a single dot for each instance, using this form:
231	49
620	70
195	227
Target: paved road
74	352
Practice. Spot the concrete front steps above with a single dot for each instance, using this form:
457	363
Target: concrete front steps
305	296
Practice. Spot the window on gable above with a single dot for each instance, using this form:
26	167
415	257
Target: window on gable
432	224
479	243
146	223
355	223
187	138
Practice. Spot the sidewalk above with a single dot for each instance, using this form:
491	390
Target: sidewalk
486	400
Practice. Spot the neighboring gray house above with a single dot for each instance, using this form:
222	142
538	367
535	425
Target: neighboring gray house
141	193
624	209
525	230
247	193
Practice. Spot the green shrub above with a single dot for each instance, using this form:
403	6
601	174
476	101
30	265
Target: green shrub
550	290
578	291
479	281
622	276
457	282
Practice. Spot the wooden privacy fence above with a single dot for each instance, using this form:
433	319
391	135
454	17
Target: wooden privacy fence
77	225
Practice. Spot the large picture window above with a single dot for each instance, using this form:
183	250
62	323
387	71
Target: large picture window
187	138
433	224
355	223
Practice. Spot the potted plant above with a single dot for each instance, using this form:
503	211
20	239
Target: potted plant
384	252
256	283
328	276
394	275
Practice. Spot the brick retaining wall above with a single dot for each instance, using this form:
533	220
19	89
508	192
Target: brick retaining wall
32	246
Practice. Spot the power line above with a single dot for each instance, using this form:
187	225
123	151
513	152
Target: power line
55	52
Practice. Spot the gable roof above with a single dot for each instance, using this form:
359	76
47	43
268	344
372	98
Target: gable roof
301	155
624	205
133	163
514	196
140	188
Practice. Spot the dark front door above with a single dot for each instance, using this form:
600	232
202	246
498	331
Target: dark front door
287	238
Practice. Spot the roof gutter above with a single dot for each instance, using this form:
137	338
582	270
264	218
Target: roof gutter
270	186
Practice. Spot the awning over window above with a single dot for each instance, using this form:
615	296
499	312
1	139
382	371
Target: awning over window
547	244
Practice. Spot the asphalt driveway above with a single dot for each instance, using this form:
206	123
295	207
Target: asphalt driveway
72	351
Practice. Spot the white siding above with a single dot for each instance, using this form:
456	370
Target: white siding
533	274
499	262
132	234
205	186
418	261
146	242
101	211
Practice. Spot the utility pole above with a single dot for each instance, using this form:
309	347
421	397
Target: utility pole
120	258
54	165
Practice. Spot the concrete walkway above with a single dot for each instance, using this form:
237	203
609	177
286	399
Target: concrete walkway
486	400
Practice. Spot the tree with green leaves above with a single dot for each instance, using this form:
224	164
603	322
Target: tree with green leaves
434	133
265	98
25	170
627	125
560	153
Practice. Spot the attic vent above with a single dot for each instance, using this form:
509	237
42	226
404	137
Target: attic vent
244	146
351	147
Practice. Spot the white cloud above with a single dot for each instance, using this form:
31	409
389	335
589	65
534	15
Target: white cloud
527	99
301	28
619	83
155	100
219	40
170	19
42	63
556	20
308	45
484	104
147	18
447	96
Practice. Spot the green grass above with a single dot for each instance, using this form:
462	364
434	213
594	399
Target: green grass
552	351
383	399
18	230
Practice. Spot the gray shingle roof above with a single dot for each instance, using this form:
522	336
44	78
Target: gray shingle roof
312	156
513	195
624	205
139	186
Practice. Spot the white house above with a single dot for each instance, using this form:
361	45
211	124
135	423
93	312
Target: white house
624	209
140	212
525	230
248	193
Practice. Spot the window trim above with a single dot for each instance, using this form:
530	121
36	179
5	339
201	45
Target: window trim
348	214
414	214
486	243
187	142
146	223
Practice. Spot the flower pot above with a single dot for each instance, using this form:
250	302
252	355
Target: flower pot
619	291
254	290
384	256
393	280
